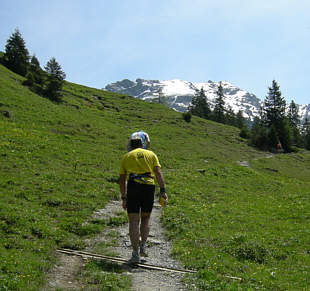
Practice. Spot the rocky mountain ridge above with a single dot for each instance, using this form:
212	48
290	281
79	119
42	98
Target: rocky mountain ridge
178	94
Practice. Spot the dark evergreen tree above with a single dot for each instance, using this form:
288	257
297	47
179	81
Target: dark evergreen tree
36	69
293	115
240	120
306	134
16	55
285	135
259	134
274	106
199	105
29	79
294	121
244	132
55	80
34	76
273	138
230	117
219	107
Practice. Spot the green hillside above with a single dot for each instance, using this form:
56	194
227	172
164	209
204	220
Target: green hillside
60	162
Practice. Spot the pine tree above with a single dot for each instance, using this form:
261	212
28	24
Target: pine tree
244	132
259	134
306	134
240	121
274	105
230	117
219	108
34	76
36	69
55	80
285	135
16	55
273	138
199	105
305	125
293	115
294	121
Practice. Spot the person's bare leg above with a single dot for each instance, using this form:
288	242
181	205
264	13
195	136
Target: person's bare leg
144	232
134	234
145	226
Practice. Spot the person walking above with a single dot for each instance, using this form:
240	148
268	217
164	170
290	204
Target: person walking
138	170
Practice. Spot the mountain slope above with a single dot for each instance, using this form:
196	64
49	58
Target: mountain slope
179	94
59	163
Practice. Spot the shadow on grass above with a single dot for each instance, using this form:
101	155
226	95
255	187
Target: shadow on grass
111	266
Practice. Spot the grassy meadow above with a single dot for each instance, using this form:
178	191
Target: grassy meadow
60	162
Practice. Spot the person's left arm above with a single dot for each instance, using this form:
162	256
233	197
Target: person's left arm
160	180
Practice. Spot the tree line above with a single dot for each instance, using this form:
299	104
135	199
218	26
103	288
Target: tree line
47	82
278	127
220	113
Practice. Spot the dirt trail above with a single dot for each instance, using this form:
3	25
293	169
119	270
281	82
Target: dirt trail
63	275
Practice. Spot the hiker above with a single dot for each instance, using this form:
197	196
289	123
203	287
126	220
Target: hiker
138	169
145	140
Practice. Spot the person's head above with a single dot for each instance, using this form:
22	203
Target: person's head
136	141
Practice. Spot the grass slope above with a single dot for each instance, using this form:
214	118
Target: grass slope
59	163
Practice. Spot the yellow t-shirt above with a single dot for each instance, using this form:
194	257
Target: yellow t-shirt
140	161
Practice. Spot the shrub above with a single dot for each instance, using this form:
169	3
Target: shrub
244	132
187	116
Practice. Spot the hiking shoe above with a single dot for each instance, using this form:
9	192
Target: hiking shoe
135	258
142	250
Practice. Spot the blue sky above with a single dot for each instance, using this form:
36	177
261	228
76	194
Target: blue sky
246	42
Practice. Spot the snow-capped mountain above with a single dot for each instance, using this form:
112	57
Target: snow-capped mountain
178	94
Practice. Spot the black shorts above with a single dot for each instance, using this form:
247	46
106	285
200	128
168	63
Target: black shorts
140	197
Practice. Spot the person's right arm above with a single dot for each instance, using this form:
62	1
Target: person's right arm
122	187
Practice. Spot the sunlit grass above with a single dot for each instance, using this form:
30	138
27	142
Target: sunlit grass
60	162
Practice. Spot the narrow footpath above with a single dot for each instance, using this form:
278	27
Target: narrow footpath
158	250
64	275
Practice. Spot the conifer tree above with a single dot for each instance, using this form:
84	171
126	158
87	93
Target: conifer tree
285	135
240	121
294	121
16	55
273	138
306	134
34	76
199	105
230	117
293	115
274	108
55	80
274	105
259	134
36	69
219	108
244	132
